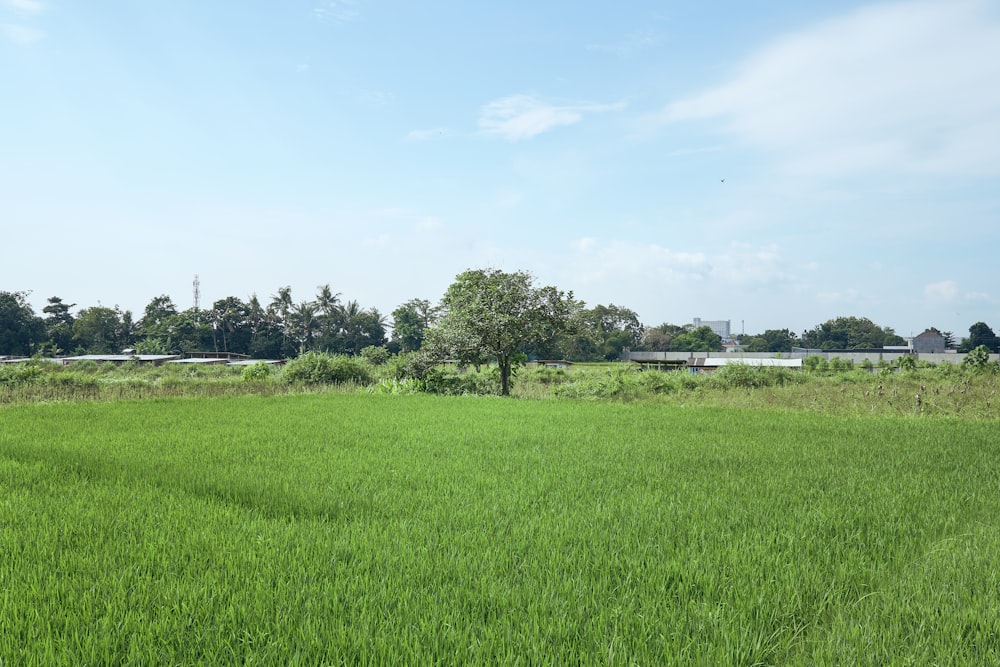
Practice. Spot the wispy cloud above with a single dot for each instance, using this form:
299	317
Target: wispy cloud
945	290
341	11
25	6
519	117
738	265
904	87
20	34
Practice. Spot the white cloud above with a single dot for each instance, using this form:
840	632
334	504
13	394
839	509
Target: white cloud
906	86
945	290
736	266
26	6
518	117
341	11
19	34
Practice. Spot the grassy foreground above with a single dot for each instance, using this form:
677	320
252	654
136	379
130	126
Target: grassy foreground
360	529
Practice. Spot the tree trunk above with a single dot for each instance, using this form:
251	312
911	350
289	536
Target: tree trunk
504	363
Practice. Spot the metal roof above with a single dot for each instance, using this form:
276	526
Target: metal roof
121	357
715	362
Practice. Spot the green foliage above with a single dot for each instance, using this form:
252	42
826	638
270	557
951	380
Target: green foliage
745	376
980	334
849	333
409	365
315	368
628	382
410	321
838	365
978	360
907	363
493	314
102	330
814	364
450	381
13	375
257	372
396	387
702	339
600	334
375	355
772	340
21	331
659	338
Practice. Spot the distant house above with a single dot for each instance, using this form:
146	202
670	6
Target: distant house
732	346
554	363
929	342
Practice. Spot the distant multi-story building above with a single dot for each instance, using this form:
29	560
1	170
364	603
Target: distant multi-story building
720	327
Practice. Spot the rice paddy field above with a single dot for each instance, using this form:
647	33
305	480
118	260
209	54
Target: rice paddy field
350	528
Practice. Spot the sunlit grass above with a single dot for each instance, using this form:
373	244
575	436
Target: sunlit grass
419	529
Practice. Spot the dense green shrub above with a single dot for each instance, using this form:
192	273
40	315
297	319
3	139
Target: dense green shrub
317	368
838	365
19	374
409	365
375	355
258	372
453	382
814	364
978	361
745	376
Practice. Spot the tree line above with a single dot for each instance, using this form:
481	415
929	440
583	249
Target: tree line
541	322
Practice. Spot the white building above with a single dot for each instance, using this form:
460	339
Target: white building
720	327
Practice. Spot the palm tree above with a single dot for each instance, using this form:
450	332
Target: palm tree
328	304
304	323
280	304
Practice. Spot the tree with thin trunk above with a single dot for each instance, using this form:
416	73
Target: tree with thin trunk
490	313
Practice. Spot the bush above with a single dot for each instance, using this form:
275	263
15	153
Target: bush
814	364
14	375
838	365
375	355
316	368
396	387
745	376
453	382
978	360
409	365
258	372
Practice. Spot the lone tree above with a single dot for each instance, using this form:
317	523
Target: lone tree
490	313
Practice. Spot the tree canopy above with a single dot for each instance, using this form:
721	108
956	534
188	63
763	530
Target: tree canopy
20	329
488	313
849	333
981	334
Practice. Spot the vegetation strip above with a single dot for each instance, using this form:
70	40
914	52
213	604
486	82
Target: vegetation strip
346	527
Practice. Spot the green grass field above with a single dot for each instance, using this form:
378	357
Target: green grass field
365	529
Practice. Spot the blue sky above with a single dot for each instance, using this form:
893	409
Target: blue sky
772	163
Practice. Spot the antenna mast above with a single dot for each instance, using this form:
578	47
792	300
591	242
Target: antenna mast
197	293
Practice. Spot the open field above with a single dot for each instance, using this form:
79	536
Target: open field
361	529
